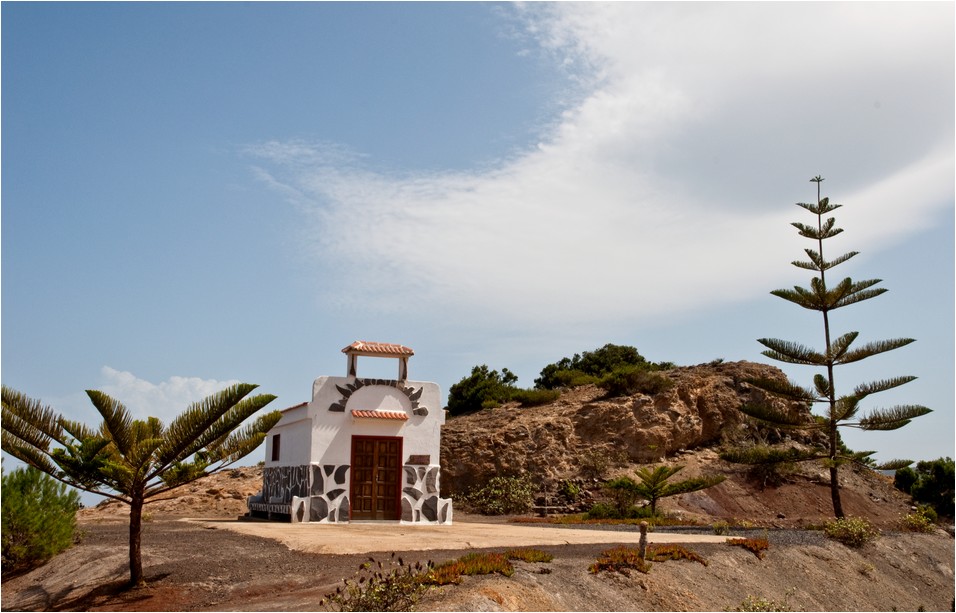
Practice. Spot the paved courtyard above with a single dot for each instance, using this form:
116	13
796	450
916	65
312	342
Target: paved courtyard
369	537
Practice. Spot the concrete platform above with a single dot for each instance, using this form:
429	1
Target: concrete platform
371	537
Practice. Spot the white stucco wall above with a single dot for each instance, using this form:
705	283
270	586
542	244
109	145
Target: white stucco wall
332	431
295	432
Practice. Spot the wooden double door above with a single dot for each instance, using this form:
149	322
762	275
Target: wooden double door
376	483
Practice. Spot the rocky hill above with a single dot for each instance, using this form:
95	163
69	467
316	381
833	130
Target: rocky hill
584	437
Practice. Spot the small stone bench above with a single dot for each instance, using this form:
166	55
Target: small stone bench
268	509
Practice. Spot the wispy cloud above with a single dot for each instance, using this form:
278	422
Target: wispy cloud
143	398
665	186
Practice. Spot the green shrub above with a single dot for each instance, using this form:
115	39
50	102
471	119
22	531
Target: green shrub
931	483
485	563
623	492
923	520
628	380
503	496
664	552
597	461
38	517
602	510
484	388
529	555
851	531
378	586
482	563
904	479
569	490
621	559
591	366
533	397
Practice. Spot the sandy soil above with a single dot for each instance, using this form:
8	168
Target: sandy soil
220	564
199	566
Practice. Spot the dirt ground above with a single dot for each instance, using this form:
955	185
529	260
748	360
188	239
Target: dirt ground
209	565
195	566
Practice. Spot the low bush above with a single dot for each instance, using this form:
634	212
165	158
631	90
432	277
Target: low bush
851	531
931	483
533	397
627	380
380	586
604	511
483	388
922	520
503	496
621	559
569	490
662	553
38	518
754	546
529	555
482	563
596	462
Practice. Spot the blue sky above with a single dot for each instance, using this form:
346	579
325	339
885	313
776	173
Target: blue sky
195	194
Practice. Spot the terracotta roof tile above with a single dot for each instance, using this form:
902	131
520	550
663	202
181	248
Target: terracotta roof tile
301	404
402	415
369	348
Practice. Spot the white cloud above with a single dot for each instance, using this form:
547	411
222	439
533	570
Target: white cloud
165	400
668	186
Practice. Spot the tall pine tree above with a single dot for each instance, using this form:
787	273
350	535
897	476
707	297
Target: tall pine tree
825	296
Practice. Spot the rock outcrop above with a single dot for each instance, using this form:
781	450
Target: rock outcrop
556	441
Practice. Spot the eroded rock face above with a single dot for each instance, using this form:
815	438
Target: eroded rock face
549	442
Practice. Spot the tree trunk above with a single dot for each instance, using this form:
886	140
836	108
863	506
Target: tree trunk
136	578
834	478
835	492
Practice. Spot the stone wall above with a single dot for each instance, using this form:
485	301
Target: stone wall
319	493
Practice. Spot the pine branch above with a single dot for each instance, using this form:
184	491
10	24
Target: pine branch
24	431
894	464
815	233
840	345
762	454
229	421
820	208
799	296
77	430
26	453
791	352
44	419
846	407
818	264
865	389
239	444
856	291
783	389
873	348
892	418
198	419
766	413
116	419
693	484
